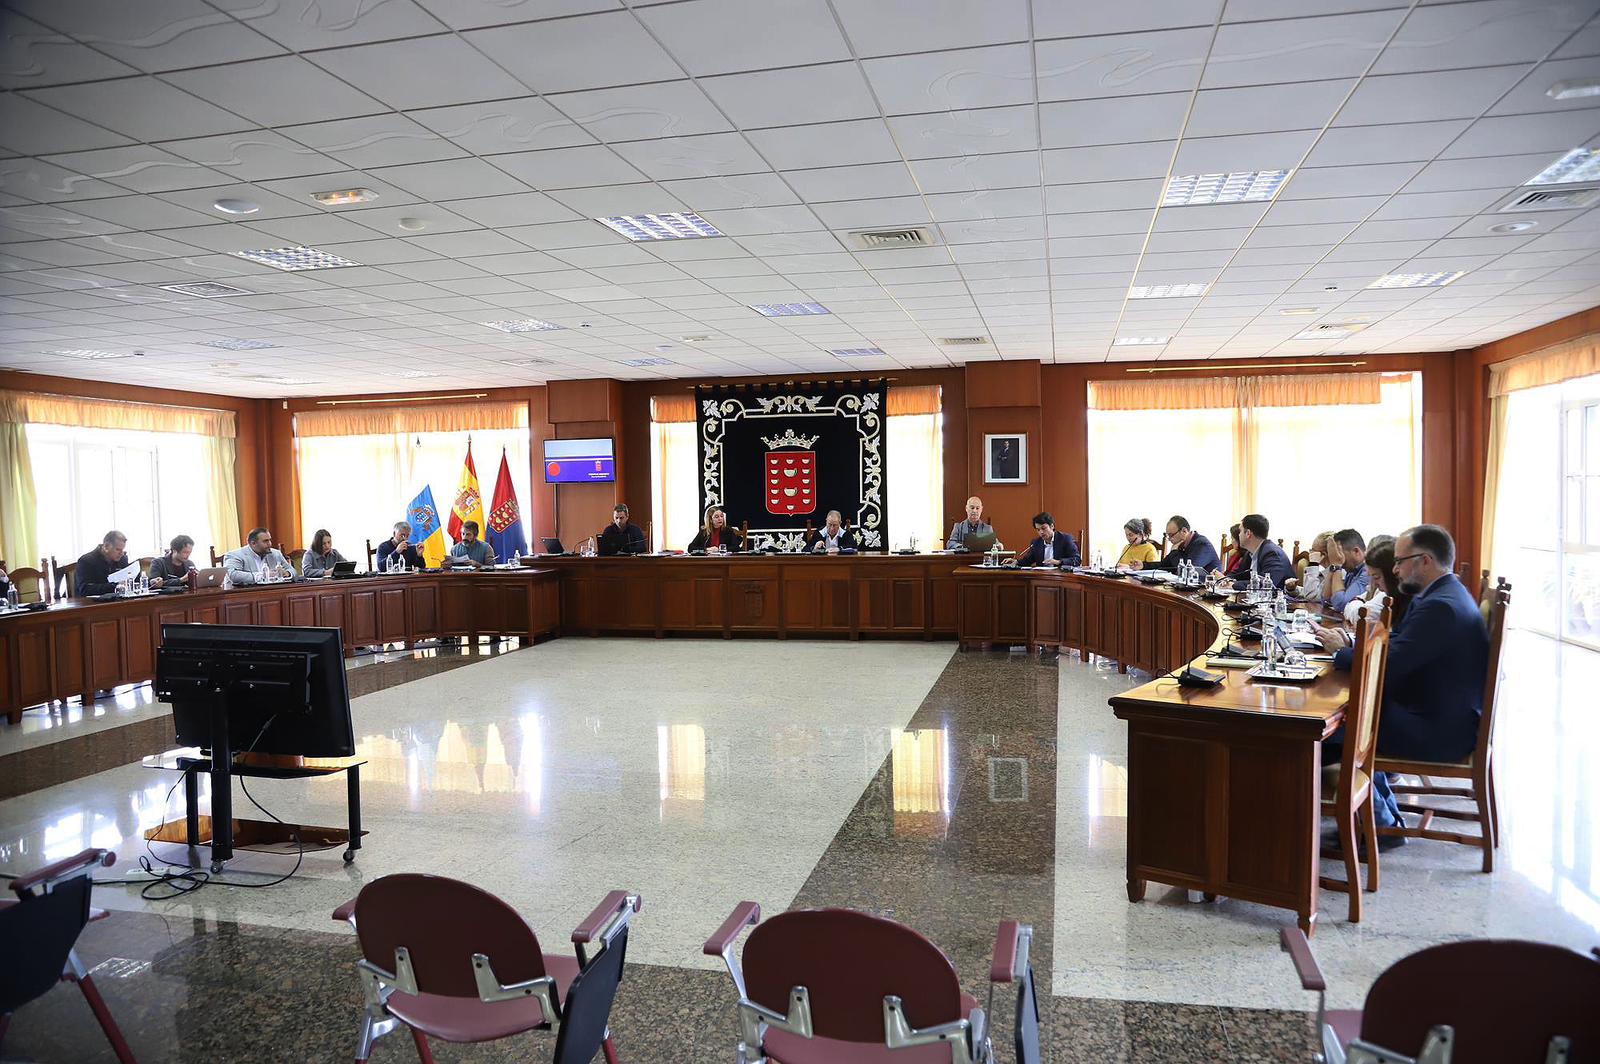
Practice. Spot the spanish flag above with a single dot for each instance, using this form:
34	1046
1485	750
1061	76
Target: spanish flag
468	505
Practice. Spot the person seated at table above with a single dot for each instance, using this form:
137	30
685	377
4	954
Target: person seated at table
1185	545
257	562
95	568
1353	553
833	537
320	558
5	582
1140	551
1266	557
398	544
621	536
1323	570
1049	547
1376	590
1238	559
974	525
174	566
717	535
1433	681
471	552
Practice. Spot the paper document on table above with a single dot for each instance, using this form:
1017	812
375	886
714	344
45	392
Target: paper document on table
128	573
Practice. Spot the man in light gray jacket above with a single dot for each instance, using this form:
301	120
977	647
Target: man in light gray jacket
974	525
257	562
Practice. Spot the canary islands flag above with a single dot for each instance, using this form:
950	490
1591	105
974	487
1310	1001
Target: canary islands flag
426	534
505	517
468	505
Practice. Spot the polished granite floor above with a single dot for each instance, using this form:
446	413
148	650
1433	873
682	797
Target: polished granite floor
946	790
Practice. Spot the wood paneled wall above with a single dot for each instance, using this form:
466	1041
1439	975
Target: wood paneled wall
1048	403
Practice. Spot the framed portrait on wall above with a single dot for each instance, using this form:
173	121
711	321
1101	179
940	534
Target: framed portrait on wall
1005	458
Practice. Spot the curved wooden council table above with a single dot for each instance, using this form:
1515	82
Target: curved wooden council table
1224	783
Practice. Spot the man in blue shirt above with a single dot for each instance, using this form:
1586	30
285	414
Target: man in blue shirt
471	552
1266	557
1438	657
1050	547
1354	549
1184	544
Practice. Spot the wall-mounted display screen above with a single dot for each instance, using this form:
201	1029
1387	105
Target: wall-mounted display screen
579	461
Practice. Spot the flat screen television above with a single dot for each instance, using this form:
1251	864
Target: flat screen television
579	461
293	677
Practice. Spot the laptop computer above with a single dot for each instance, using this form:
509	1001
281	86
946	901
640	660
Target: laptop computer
977	542
552	545
209	577
342	569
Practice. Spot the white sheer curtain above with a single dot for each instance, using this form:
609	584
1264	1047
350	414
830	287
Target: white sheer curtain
1305	467
675	492
916	479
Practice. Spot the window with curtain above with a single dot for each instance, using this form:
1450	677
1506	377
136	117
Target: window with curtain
915	458
1310	452
358	469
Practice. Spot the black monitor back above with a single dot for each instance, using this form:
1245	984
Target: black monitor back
293	677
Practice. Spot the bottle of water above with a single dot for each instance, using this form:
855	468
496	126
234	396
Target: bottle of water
1099	560
13	598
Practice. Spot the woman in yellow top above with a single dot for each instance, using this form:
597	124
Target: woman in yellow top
1140	551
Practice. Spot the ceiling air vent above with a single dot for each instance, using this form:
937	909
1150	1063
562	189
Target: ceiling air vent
962	341
204	289
1330	330
881	239
526	362
1554	199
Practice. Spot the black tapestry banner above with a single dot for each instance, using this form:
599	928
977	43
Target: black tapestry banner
780	455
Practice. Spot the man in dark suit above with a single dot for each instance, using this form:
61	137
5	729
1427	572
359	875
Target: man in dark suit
1050	547
833	537
621	536
1433	682
95	568
1266	557
1184	544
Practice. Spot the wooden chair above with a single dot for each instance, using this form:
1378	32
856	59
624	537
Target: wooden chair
1083	547
1350	781
32	584
1225	555
1163	548
144	565
372	556
1477	768
1301	559
216	559
63	580
294	557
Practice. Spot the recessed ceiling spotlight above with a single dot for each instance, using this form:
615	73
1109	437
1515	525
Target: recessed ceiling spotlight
412	225
417	374
787	310
1166	291
1246	186
1297	311
1437	279
295	259
524	325
663	347
1140	341
1331	330
236	206
639	362
1574	89
1330	288
237	345
1513	227
1579	164
222	365
93	355
697	338
857	352
203	289
666	226
344	197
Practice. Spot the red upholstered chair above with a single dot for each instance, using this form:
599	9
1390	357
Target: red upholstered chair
1485	1001
448	960
835	986
38	935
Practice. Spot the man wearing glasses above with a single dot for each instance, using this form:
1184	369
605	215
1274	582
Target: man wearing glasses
1433	684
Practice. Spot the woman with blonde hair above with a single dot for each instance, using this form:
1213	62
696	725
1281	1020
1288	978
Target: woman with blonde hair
1324	572
717	535
1140	551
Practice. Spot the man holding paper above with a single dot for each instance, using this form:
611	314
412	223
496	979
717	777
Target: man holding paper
96	569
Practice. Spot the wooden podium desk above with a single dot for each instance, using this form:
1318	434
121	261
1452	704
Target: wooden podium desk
77	647
1224	784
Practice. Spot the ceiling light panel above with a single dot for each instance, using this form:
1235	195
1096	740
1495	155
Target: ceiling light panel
237	345
1579	164
1167	291
296	259
524	325
640	362
668	226
857	352
1416	280
93	355
344	196
204	289
1140	341
788	310
1246	186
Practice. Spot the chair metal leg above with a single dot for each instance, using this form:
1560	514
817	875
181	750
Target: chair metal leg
423	1051
113	1033
611	1051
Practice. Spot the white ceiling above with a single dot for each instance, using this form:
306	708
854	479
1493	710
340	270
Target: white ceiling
1035	139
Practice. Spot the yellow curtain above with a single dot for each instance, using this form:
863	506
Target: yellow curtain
38	409
1498	407
222	501
1199	393
19	545
1550	365
388	420
914	399
671	409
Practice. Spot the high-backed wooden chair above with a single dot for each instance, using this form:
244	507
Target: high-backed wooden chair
63	580
372	557
32	584
1301	559
1347	792
216	559
144	565
1083	547
1225	554
1477	768
293	557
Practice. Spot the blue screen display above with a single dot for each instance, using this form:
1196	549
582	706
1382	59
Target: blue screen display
579	462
